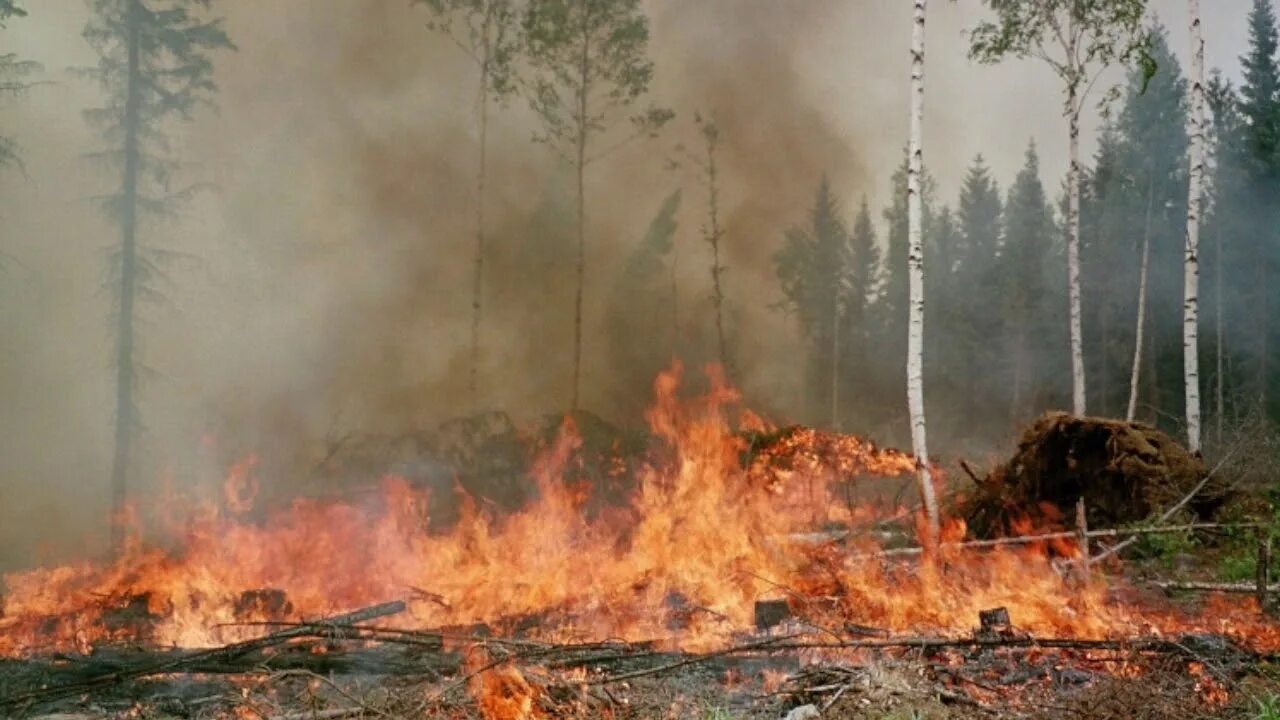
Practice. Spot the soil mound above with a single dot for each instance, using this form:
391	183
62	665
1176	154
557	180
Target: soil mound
1124	471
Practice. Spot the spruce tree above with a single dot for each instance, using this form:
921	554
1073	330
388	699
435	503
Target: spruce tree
979	216
1027	258
14	74
155	66
975	325
1078	41
1153	151
1226	236
813	269
863	269
1260	109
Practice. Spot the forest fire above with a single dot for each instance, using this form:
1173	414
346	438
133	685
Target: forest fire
706	535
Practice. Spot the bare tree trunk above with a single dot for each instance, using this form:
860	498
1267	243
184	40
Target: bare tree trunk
1073	256
1019	368
835	359
713	212
128	284
1191	276
1219	381
915	268
1140	327
477	281
675	296
580	165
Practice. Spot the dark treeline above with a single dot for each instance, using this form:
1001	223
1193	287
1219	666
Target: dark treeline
997	343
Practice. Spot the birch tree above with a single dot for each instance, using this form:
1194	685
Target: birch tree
155	65
915	268
589	69
487	33
1078	40
1195	193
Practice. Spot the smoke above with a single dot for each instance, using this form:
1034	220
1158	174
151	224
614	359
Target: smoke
327	285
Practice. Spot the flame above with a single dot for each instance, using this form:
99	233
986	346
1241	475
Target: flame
707	532
501	692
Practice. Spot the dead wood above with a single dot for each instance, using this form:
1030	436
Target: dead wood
91	674
1125	471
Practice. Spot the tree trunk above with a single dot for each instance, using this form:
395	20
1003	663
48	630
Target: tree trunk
713	211
915	268
675	296
477	280
584	90
1140	324
1191	275
1219	380
128	283
835	358
1073	256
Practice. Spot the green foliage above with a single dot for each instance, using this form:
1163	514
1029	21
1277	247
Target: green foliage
1267	708
487	31
9	9
1242	242
175	49
1077	39
1166	547
175	76
813	267
1030	270
589	66
14	80
1136	191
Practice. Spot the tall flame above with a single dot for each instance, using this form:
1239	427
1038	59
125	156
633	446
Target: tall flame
705	535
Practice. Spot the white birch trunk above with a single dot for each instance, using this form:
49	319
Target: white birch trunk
1191	277
1140	328
915	268
1073	257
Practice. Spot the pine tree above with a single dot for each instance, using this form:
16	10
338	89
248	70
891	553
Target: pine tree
486	30
979	216
1027	258
1078	40
589	67
1107	271
974	326
813	267
1153	195
1225	232
863	270
1260	109
155	65
14	74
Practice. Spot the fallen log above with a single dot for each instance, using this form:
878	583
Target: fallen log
1224	587
1064	535
182	662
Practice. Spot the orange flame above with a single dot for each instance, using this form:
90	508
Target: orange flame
704	536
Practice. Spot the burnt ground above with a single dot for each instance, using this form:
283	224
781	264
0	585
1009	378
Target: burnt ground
414	676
